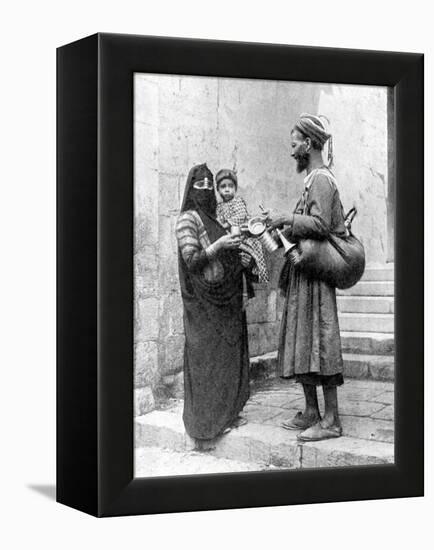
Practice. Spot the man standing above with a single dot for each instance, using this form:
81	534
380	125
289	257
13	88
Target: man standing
309	343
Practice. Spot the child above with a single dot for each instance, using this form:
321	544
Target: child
233	212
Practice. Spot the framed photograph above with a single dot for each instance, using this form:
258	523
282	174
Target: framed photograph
240	275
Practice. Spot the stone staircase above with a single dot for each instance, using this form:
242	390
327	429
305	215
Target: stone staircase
366	318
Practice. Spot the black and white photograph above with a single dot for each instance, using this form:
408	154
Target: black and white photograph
264	215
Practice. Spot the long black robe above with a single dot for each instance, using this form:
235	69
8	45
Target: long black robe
216	358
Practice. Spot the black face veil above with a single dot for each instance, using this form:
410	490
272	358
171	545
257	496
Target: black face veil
203	201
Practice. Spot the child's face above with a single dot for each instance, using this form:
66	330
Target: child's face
227	189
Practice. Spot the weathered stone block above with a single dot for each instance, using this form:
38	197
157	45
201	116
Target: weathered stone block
263	366
146	272
385	413
285	456
258	413
259	451
183	143
379	273
377	367
346	451
262	308
178	386
367	428
236	102
359	408
280	304
145	204
284	416
146	319
182	98
145	364
168	254
160	429
272	306
233	446
275	264
167	243
356	369
367	322
354	390
382	371
257	308
271	444
368	342
254	344
276	400
146	144
171	315
170	193
143	401
366	304
145	229
171	354
174	384
168	380
386	397
263	337
146	96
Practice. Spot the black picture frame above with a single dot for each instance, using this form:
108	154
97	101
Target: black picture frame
95	274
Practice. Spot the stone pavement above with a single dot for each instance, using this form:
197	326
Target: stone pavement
367	413
156	461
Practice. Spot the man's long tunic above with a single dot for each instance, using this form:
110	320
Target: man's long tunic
309	337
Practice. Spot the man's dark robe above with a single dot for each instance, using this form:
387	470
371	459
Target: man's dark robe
309	340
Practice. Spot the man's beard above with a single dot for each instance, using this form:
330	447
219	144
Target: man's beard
205	200
302	160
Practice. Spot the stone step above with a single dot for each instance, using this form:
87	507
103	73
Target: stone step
367	322
369	288
375	343
369	343
366	304
156	461
268	445
360	366
381	273
373	367
263	366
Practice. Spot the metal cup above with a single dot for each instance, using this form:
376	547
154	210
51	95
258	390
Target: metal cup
268	242
235	230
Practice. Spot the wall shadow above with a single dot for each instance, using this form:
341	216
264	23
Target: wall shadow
48	491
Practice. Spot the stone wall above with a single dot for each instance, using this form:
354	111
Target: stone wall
182	121
360	134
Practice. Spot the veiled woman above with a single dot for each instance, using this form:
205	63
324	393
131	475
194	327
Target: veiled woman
216	359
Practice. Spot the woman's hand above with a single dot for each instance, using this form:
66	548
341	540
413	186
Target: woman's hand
229	242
